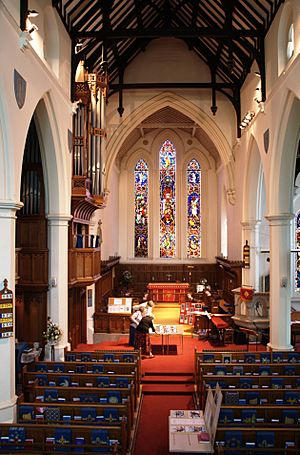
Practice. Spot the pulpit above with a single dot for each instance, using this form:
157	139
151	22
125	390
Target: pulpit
168	292
251	309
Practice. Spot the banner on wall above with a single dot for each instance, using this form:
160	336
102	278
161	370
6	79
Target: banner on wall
246	294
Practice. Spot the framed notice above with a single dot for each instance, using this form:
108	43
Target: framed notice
6	312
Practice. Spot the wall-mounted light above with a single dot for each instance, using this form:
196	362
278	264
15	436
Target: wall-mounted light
32	13
247	119
78	47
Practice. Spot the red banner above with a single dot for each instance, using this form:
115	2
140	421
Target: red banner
247	294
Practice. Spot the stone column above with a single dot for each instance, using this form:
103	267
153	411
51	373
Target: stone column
280	292
7	345
58	278
250	232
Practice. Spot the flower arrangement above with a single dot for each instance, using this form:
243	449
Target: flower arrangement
53	333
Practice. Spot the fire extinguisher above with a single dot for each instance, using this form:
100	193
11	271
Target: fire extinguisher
246	256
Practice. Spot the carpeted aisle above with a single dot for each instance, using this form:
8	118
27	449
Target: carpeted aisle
152	433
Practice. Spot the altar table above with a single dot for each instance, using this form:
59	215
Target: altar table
168	292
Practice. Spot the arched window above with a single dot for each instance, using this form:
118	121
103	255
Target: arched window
193	209
297	245
291	42
167	175
141	174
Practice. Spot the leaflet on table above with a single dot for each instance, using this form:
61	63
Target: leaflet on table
168	329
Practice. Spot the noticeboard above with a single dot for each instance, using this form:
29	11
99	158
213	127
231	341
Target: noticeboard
6	312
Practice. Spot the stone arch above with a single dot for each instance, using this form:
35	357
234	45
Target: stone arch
252	181
53	156
283	158
168	99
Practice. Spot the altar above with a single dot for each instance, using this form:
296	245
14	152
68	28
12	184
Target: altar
168	292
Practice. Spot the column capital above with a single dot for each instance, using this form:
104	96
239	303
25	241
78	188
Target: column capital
59	219
8	208
250	223
281	219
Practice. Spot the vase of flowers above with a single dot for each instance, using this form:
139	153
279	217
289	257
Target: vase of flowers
52	336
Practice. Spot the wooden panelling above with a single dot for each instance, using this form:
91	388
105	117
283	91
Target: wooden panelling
33	267
229	276
111	323
31	307
77	316
146	273
84	265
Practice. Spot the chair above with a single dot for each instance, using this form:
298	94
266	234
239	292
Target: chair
250	333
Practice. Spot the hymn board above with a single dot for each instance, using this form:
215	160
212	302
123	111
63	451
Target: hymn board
6	312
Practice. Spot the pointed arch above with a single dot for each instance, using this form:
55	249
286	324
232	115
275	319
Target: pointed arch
168	99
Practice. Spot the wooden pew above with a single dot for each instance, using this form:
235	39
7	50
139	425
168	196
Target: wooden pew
238	440
256	416
44	395
75	413
50	439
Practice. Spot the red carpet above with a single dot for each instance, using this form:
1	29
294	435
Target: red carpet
152	434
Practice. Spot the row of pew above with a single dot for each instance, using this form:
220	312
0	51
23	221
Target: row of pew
87	403
260	411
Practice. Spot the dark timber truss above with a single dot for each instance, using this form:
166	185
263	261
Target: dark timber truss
228	35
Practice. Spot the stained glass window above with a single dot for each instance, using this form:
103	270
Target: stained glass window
193	209
167	170
141	174
297	241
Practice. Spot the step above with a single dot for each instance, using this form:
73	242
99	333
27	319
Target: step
168	389
163	379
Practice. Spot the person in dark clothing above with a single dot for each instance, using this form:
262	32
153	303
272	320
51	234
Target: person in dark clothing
142	336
